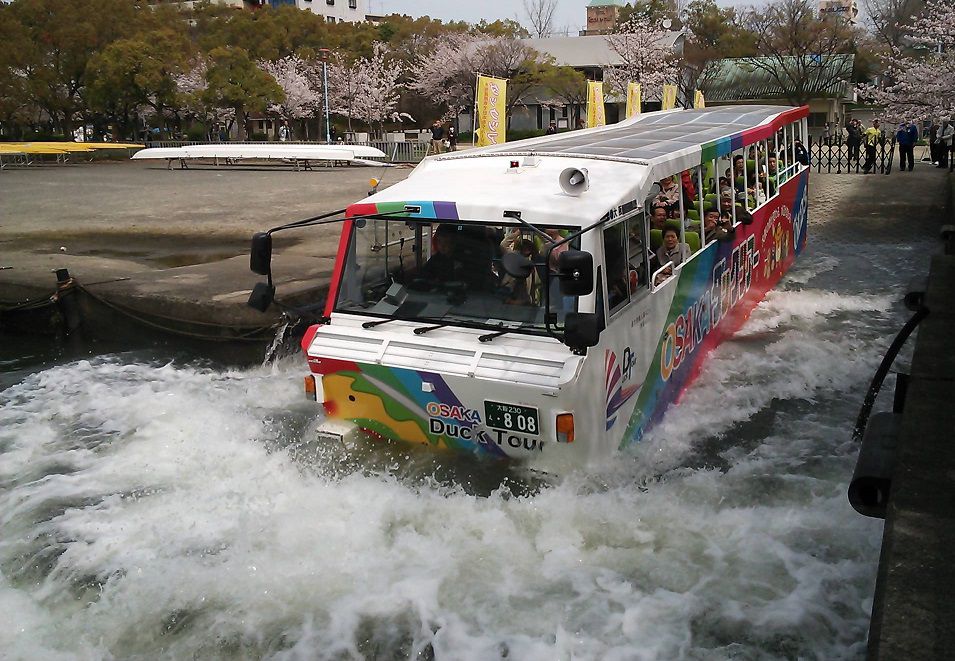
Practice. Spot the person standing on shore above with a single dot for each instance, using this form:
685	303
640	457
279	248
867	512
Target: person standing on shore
437	137
945	134
871	137
452	138
904	136
854	140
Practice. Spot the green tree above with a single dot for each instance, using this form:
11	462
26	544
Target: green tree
795	47
13	83
568	87
61	38
650	11
131	75
507	27
715	33
234	81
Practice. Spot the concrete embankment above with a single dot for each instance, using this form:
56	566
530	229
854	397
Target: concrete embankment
914	607
167	250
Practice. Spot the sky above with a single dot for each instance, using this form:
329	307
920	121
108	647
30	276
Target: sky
570	13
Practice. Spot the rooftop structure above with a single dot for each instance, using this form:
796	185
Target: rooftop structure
602	16
334	11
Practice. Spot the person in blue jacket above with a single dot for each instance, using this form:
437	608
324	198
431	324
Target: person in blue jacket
906	136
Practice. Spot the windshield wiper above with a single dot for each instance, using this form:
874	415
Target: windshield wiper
428	329
491	336
425	320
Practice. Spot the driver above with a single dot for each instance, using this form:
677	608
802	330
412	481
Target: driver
442	267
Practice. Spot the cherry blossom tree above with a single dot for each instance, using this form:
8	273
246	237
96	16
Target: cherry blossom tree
296	77
446	73
367	88
190	87
921	77
646	58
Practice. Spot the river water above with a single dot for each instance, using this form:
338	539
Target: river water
153	506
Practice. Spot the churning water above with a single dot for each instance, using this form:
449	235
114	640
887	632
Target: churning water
156	509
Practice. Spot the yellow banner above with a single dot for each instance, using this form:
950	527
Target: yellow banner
669	97
491	111
698	100
633	99
595	104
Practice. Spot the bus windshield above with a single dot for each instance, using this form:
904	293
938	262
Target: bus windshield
451	273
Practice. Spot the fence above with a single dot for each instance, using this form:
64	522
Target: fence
836	155
398	152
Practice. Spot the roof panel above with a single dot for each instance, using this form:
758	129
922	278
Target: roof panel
645	137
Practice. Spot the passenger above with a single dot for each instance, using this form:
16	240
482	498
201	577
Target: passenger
442	267
672	250
739	164
712	227
802	156
524	291
658	219
669	192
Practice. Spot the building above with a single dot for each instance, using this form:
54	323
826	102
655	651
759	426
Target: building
602	16
589	55
334	11
190	4
828	80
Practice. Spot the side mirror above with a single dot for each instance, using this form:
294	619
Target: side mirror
260	257
262	296
581	330
517	265
575	270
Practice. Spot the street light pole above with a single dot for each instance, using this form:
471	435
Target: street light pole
328	125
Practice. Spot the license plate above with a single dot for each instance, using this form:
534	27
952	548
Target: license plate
511	417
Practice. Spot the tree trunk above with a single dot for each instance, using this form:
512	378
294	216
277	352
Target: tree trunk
241	120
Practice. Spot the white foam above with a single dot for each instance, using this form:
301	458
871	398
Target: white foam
180	525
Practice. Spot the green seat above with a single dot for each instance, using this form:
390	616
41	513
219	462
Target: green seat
693	240
656	239
693	214
750	167
710	198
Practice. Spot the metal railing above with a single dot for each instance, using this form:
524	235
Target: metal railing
837	155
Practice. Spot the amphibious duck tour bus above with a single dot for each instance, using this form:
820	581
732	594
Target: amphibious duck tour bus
530	300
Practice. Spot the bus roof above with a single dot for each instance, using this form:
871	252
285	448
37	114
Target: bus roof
653	136
622	161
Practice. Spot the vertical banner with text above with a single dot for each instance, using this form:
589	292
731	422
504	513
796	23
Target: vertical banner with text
698	100
633	99
669	97
491	110
595	104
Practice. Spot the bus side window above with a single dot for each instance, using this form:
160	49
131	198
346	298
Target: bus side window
637	253
615	262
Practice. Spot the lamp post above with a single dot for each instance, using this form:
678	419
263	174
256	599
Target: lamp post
328	130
